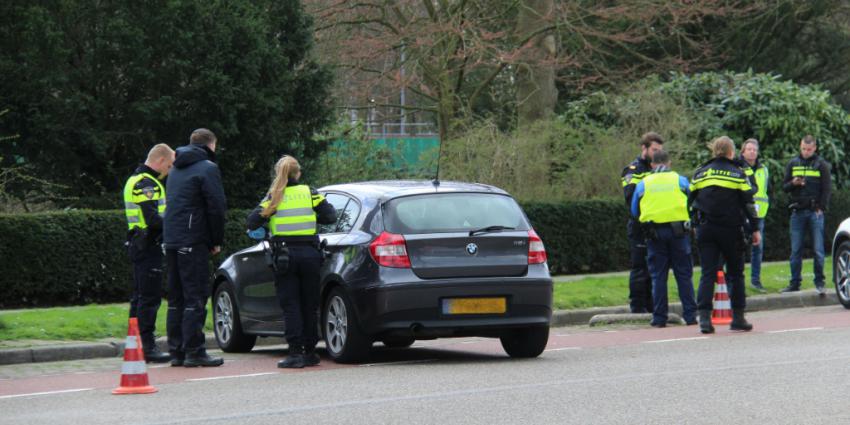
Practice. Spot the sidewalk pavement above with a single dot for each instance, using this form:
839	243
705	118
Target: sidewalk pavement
51	351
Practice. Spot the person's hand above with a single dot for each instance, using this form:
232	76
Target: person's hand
215	250
818	212
756	238
798	181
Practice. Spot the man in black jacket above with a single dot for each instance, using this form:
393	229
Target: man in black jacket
640	283
808	181
193	230
722	201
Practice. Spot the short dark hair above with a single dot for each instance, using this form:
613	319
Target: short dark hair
660	157
648	138
809	139
202	136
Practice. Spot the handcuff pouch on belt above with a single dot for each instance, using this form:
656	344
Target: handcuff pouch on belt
277	256
679	228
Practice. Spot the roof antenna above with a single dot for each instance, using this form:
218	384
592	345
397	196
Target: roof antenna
436	181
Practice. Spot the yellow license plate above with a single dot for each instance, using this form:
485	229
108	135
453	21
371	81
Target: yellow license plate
475	305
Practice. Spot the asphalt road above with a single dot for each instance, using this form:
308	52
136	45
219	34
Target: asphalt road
793	369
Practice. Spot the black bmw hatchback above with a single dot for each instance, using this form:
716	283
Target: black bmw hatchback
406	260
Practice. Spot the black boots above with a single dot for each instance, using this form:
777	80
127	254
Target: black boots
310	356
295	359
705	325
153	355
201	358
739	323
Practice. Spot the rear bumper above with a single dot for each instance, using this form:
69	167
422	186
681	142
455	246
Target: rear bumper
415	308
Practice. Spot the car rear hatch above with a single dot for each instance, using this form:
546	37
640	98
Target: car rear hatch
461	234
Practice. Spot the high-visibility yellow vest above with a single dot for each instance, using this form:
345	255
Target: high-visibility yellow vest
663	200
133	197
295	215
762	201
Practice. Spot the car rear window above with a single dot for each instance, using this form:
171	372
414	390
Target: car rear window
452	212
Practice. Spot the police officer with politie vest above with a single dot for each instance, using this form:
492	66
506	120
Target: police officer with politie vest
640	283
660	203
144	207
292	211
722	200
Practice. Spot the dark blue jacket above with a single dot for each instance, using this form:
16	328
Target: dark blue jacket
195	203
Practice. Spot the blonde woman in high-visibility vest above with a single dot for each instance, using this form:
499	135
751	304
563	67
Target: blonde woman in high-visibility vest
144	206
761	177
291	211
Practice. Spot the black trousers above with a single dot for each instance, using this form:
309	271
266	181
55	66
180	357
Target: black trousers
640	282
298	294
147	290
188	290
716	243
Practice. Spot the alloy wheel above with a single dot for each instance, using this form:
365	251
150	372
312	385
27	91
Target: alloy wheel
224	317
336	325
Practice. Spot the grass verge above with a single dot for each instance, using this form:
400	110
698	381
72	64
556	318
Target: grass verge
93	322
612	290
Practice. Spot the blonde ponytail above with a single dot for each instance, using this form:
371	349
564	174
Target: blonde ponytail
286	167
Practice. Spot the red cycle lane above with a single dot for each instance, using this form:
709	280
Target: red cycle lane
263	360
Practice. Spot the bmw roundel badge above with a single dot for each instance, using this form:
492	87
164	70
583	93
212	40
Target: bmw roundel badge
472	249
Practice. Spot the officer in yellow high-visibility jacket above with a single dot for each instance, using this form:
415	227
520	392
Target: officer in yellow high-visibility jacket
761	178
292	211
660	203
144	206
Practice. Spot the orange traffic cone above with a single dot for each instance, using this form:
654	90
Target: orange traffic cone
134	374
722	313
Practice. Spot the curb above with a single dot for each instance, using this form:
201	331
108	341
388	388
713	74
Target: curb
115	348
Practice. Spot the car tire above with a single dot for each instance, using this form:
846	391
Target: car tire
841	273
525	342
344	340
226	324
398	342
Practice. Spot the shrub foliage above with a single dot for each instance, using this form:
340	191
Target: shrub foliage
78	257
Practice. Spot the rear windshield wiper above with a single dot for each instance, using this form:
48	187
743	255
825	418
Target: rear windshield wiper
489	229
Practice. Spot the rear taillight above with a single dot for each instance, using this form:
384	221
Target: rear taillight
536	252
389	250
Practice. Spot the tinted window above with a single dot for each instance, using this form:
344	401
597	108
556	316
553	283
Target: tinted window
346	219
338	202
452	212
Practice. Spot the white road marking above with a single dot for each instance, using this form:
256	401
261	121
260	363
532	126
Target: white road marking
398	363
676	339
232	376
46	393
563	349
794	330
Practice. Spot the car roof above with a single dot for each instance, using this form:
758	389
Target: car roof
389	189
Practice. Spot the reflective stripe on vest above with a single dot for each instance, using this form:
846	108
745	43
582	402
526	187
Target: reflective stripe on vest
804	172
663	200
295	215
762	201
634	178
133	197
720	178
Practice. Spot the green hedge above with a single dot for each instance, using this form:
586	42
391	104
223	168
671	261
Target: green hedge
590	236
78	257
